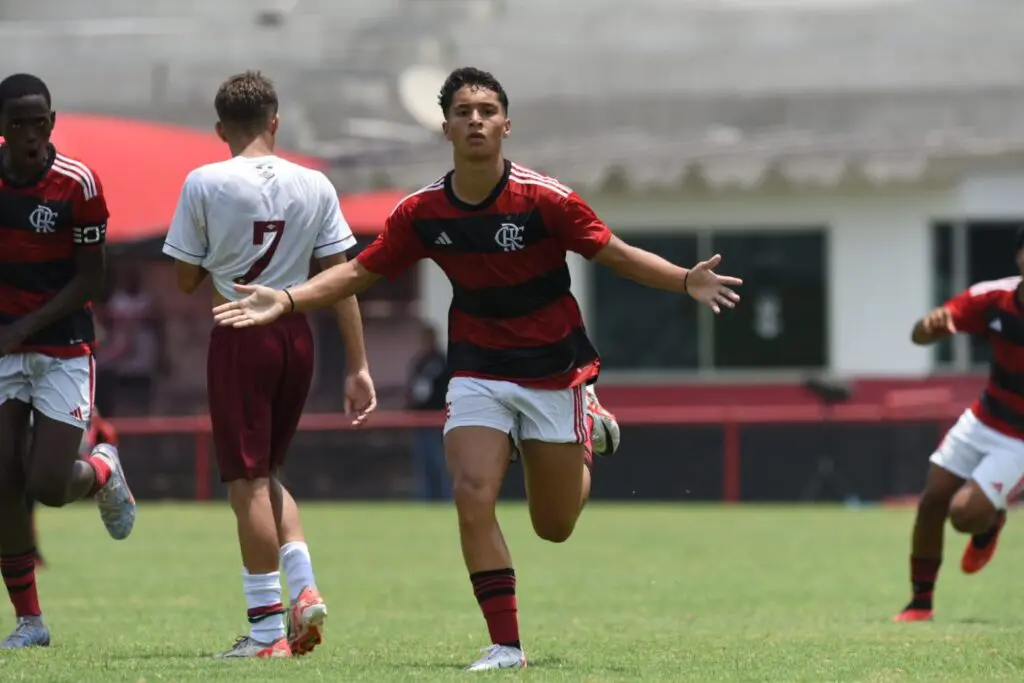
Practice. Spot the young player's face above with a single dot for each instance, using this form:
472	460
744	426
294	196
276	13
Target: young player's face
476	123
26	124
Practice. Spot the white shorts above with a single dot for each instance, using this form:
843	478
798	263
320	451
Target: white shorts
995	461
549	415
59	388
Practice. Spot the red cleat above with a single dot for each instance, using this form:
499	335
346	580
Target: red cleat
306	622
976	556
914	614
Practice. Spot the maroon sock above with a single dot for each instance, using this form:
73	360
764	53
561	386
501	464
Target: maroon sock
19	572
923	574
495	590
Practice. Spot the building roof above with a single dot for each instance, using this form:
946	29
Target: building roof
656	92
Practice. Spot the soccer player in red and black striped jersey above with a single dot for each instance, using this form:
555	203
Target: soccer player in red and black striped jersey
517	348
52	230
978	469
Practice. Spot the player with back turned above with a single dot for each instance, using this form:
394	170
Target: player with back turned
53	219
259	218
978	469
519	354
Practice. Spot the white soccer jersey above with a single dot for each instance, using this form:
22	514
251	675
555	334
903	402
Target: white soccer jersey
256	220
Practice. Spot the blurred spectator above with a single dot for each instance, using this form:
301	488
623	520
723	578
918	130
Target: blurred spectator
428	385
129	359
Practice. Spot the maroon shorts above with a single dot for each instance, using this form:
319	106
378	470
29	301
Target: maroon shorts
257	380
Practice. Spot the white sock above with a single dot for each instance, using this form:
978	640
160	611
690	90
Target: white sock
263	601
298	568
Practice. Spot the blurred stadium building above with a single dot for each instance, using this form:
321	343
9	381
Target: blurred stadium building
856	161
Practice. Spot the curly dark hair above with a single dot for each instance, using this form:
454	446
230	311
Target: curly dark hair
246	101
22	85
474	78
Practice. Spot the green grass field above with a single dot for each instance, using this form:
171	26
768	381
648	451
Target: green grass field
640	593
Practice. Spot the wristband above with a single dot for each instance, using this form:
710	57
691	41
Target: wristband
290	300
685	278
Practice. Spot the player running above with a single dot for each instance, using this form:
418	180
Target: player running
517	349
257	218
979	466
51	264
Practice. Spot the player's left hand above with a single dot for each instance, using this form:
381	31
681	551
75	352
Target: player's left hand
10	337
711	289
360	396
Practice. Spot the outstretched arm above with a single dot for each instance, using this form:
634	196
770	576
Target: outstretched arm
394	251
330	286
641	266
265	305
700	282
581	231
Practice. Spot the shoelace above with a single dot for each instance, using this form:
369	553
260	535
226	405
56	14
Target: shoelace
491	651
239	641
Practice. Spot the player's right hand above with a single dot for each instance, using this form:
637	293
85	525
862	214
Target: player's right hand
939	322
263	306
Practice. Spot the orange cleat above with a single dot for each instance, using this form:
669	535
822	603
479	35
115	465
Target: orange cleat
976	555
914	614
306	622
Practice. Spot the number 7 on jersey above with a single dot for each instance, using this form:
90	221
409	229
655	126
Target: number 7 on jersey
260	232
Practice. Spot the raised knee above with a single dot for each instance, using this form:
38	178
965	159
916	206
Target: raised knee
554	533
971	512
970	519
553	530
49	491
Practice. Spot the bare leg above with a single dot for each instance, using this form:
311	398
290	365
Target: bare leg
557	487
17	554
477	459
56	475
926	551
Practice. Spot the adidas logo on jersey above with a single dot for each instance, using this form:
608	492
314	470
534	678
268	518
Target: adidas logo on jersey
443	239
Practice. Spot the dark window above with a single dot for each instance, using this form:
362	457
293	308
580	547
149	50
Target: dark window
636	327
942	282
990	257
783	320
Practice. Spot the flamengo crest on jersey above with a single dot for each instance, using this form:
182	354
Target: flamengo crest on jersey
512	316
45	224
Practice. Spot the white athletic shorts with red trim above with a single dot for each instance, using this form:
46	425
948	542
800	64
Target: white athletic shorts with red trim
59	388
973	450
549	415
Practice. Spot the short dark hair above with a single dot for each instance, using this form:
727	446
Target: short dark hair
1018	239
247	100
22	85
474	78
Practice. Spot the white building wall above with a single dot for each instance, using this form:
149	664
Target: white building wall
880	255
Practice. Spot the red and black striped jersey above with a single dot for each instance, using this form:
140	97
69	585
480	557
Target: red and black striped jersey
42	224
993	310
512	315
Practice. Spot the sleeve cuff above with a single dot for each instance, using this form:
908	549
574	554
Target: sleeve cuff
336	247
180	254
